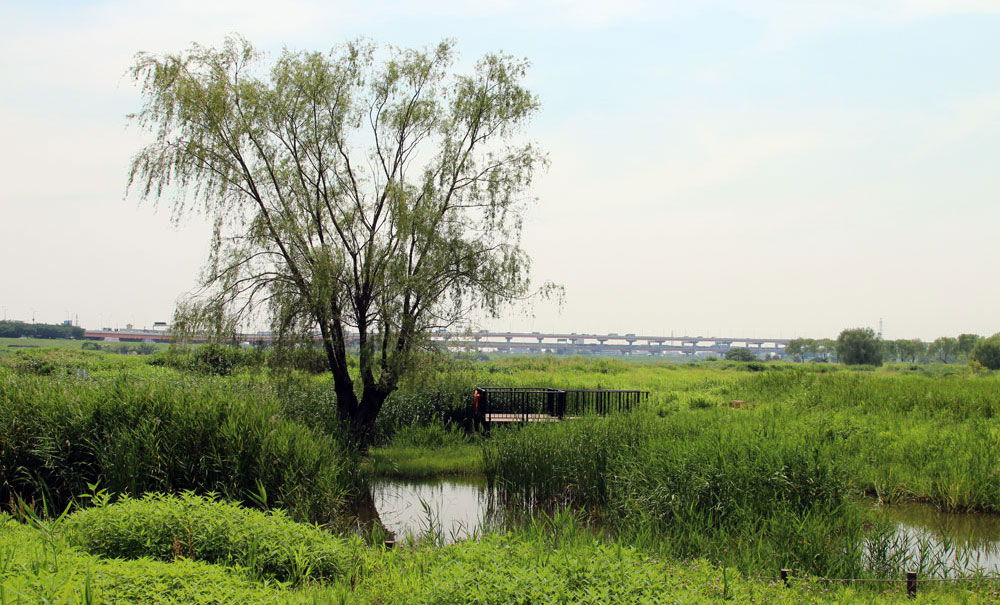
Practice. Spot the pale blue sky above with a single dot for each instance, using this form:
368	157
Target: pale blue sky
729	168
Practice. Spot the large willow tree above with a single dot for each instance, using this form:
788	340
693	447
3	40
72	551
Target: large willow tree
361	191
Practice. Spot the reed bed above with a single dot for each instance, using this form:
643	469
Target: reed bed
772	483
130	434
898	437
701	485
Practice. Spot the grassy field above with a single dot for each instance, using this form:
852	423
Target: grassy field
656	494
426	451
28	344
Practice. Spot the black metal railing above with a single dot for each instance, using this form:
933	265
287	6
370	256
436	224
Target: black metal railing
601	402
528	404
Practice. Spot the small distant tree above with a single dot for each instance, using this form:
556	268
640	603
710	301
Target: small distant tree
794	349
740	354
890	351
797	348
859	346
944	348
967	342
911	350
824	349
987	352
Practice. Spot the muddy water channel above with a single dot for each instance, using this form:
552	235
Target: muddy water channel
454	509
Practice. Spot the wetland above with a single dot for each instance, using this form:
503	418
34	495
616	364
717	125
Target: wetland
687	485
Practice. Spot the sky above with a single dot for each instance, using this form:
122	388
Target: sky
719	168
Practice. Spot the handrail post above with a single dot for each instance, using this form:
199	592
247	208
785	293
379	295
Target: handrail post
911	584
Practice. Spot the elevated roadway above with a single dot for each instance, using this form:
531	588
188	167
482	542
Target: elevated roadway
523	342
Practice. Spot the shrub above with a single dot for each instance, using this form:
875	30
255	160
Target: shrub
39	567
166	527
740	354
305	357
222	360
987	352
700	402
859	346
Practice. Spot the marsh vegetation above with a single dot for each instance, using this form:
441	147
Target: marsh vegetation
168	474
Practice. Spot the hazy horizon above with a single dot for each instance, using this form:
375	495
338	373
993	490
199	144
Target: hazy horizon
781	170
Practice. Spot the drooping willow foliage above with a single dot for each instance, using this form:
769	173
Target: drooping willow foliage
350	194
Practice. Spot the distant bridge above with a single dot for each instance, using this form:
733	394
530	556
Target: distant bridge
522	342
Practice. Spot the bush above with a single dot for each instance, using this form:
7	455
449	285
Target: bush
222	360
859	347
448	401
306	357
987	352
700	402
40	567
740	354
166	527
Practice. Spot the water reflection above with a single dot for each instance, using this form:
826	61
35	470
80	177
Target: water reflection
946	543
441	511
444	511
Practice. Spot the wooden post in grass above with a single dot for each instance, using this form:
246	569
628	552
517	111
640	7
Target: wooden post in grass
911	584
784	576
390	544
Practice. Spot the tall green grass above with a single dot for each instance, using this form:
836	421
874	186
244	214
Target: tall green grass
898	436
428	450
699	485
130	433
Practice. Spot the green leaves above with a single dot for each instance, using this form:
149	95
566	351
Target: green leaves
382	196
168	527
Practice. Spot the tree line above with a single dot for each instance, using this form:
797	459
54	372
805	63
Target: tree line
19	329
862	346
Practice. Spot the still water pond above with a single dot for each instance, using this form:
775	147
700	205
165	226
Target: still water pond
451	510
457	509
963	542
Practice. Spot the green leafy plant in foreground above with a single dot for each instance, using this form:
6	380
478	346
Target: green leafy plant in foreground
169	527
550	559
